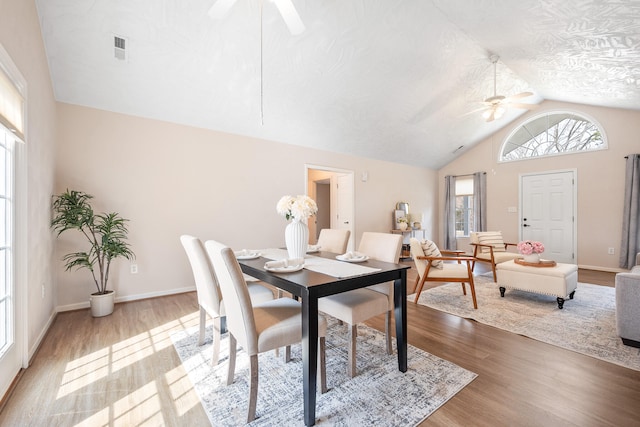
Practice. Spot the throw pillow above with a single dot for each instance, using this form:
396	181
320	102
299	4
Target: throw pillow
430	249
493	238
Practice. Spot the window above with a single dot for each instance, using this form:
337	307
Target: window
6	227
11	134
553	133
464	206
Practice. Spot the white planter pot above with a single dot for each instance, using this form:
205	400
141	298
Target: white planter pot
296	238
531	258
102	305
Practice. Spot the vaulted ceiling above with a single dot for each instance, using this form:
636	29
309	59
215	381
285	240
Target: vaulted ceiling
397	80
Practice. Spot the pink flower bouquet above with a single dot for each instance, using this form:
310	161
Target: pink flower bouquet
528	247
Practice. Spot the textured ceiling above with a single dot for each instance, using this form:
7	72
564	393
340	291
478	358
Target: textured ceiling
396	80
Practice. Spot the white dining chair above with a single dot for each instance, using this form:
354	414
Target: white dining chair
258	327
334	240
208	292
358	305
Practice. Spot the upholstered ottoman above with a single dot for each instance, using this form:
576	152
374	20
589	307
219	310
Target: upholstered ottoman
560	280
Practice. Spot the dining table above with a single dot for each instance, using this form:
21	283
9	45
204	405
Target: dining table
324	275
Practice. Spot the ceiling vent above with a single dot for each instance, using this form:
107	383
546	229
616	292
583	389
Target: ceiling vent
120	47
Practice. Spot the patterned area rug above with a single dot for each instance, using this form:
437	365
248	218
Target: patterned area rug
379	395
586	324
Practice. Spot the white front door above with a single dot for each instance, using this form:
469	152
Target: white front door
548	213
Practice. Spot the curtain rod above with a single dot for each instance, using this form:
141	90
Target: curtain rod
467	174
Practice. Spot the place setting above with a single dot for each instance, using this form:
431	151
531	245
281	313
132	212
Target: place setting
287	265
352	256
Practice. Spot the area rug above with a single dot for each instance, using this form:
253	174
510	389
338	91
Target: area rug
379	395
586	324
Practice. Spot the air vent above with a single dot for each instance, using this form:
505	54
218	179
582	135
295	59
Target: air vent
120	47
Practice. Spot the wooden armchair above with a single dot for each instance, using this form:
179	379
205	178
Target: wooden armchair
489	247
431	267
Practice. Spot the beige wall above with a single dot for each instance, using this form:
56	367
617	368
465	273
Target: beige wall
170	179
600	181
20	36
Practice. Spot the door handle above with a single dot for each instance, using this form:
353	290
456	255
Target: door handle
526	225
346	222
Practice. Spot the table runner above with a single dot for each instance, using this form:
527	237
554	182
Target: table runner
330	267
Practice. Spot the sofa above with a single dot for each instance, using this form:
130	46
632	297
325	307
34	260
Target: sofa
628	305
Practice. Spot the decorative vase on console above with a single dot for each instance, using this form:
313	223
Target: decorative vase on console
296	235
530	251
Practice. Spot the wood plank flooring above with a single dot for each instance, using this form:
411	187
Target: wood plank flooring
123	370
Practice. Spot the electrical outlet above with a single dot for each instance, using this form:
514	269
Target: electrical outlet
611	251
134	268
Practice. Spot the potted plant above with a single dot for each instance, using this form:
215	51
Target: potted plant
106	234
403	223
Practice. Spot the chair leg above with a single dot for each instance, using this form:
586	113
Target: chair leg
253	388
203	324
387	331
473	293
322	365
216	341
464	290
232	358
495	278
419	290
351	364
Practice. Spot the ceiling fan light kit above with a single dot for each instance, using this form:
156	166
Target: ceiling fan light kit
497	104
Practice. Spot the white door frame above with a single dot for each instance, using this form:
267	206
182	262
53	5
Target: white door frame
308	167
573	171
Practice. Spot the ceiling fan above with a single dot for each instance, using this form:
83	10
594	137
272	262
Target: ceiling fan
286	8
496	105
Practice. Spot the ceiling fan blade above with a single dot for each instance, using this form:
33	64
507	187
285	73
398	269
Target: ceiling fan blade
520	95
220	8
290	16
523	106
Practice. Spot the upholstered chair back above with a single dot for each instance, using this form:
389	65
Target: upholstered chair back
207	289
333	240
240	318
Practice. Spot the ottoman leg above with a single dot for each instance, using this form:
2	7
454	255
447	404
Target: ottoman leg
571	294
502	289
560	303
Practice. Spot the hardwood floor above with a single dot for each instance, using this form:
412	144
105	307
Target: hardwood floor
123	370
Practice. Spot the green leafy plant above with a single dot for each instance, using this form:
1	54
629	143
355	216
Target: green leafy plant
106	234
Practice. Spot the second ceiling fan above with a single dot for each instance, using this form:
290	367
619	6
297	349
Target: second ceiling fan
497	105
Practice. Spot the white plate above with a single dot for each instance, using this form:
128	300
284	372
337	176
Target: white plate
313	248
250	255
289	269
361	259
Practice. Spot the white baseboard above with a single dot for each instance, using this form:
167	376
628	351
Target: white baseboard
81	305
43	333
607	269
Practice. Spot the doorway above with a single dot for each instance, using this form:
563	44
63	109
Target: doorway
333	191
548	213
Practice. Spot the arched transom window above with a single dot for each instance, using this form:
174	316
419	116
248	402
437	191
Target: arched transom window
553	133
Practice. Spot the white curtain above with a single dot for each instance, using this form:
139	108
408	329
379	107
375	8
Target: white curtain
630	244
450	213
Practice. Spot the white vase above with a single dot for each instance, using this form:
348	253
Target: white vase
531	258
102	305
296	237
402	225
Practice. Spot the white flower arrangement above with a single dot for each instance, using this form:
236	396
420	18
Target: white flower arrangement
297	207
403	219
